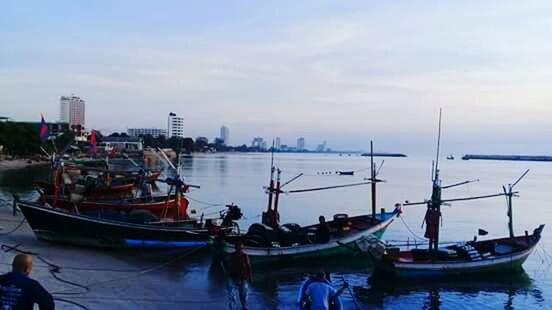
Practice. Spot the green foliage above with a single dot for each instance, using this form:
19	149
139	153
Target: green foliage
66	138
20	139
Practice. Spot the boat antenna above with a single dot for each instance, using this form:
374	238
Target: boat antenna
272	154
438	145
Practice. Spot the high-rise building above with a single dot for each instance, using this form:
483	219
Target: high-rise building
154	132
277	143
71	110
225	135
175	126
258	142
300	144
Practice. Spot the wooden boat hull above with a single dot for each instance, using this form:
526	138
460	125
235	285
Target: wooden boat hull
124	188
56	225
495	263
163	206
461	268
336	247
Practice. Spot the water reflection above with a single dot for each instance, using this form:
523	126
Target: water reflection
239	177
473	290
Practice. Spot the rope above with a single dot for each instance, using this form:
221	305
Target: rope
208	204
54	269
357	306
411	231
23	220
71	302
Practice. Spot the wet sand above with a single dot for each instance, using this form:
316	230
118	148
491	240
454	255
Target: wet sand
19	163
109	279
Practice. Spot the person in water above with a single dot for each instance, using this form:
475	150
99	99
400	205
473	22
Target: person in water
18	291
319	294
240	269
322	231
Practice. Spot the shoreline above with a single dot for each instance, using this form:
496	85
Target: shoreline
20	163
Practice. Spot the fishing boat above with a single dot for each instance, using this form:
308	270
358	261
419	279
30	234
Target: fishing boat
345	172
472	257
108	231
163	207
270	242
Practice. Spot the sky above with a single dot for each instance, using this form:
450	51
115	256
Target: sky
341	71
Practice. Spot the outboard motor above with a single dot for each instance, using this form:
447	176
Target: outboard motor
233	213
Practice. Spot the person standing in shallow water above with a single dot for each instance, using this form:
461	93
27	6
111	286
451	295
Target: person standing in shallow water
240	271
318	294
19	292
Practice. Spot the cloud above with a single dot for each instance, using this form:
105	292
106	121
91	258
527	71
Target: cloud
317	69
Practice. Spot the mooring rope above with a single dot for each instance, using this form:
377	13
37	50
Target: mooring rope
411	231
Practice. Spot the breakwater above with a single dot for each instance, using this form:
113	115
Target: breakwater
508	157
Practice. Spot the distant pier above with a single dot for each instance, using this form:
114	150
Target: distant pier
384	154
508	157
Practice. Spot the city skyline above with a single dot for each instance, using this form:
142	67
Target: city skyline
341	72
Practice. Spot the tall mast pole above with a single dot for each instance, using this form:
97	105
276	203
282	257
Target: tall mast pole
435	202
510	221
277	198
267	216
373	179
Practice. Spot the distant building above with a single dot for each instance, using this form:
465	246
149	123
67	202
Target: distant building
71	110
175	126
301	144
321	147
154	132
127	144
277	143
259	143
225	135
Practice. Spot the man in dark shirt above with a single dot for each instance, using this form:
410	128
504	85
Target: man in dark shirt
240	271
18	291
323	231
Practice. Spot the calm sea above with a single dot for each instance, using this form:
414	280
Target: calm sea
239	179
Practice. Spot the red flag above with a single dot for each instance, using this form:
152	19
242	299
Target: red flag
93	141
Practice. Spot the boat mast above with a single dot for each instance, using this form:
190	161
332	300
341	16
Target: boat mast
277	198
509	194
373	179
435	203
267	216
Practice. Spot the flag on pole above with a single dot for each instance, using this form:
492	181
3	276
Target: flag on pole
93	141
43	129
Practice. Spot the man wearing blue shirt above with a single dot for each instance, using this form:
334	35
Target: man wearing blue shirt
320	294
19	292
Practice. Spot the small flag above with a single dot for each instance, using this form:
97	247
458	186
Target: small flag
93	141
43	129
